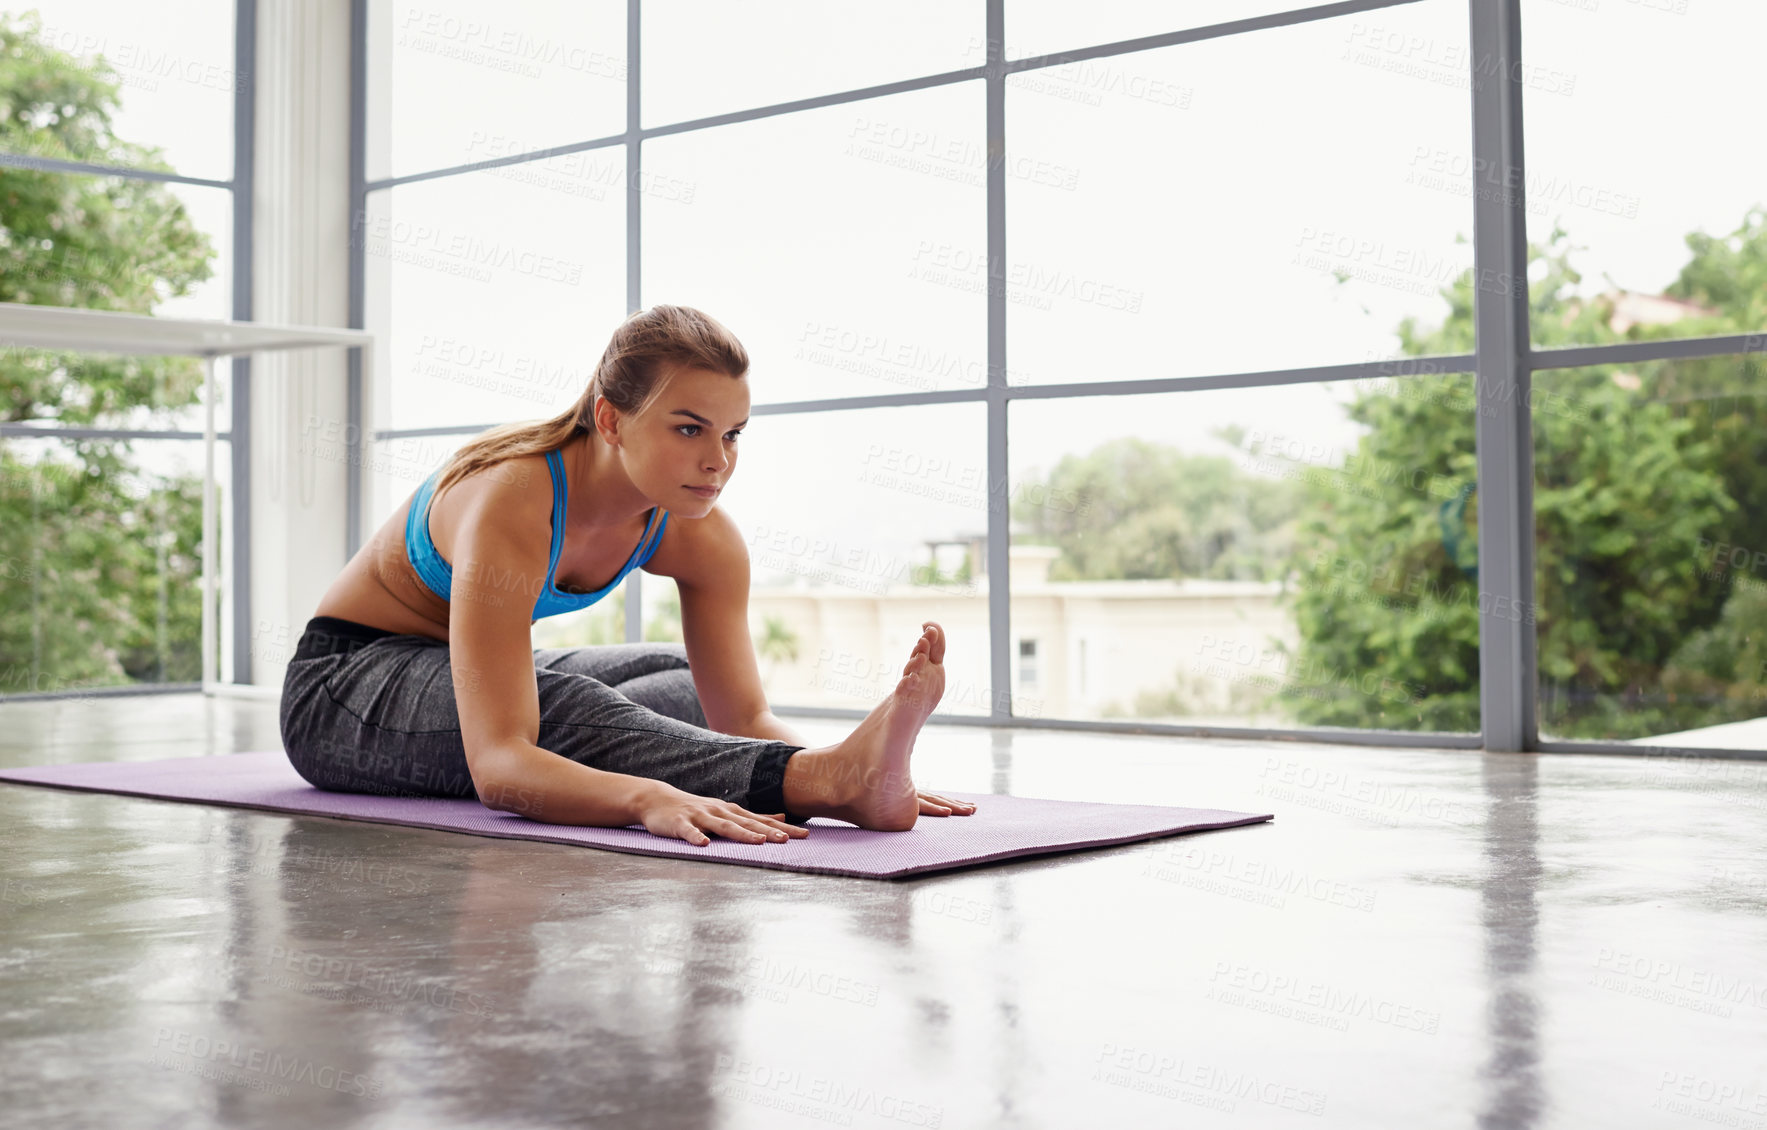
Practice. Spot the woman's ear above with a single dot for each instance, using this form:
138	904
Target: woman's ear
607	421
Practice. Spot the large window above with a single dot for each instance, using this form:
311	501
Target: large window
1217	222
1634	221
1650	518
1156	352
1287	557
100	471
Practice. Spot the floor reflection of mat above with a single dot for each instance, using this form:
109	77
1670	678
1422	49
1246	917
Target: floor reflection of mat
1004	827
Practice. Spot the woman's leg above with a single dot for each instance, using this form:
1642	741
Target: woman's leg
381	718
650	674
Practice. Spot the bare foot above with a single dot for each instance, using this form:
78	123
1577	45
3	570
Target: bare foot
864	779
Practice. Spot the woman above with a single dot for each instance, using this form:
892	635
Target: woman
416	675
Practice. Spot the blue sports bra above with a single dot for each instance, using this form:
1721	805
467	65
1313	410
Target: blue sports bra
438	575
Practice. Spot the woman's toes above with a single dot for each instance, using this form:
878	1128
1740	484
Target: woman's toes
935	637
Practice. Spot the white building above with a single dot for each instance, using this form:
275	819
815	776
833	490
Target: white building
1081	649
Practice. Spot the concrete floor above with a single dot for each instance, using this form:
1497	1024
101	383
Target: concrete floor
1420	939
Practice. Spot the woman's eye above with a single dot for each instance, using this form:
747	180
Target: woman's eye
733	435
686	427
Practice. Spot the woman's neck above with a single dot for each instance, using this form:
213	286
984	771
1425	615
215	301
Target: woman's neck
601	495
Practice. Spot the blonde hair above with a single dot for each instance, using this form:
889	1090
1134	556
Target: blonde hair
646	348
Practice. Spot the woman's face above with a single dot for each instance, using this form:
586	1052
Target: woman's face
687	439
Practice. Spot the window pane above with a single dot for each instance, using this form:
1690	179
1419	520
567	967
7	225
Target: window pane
845	560
456	81
703	58
836	243
172	65
396	467
1164	221
101	557
164	250
54	388
1650	502
1043	27
493	293
1293	556
1633	217
210	212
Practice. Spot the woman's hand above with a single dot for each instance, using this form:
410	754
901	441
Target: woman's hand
932	804
677	814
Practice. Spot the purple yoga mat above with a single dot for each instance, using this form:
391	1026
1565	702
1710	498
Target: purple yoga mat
1003	827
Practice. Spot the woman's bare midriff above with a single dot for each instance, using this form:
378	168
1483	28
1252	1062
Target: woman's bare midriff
380	588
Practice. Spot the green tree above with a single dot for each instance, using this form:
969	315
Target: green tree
98	565
665	626
777	642
1635	465
1135	509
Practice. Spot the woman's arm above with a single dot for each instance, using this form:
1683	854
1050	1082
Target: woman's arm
713	580
498	560
499	563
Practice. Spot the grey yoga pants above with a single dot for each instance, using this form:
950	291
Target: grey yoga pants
370	711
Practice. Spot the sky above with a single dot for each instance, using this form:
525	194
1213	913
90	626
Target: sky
1175	212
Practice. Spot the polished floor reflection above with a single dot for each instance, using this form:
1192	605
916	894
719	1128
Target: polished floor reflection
1420	939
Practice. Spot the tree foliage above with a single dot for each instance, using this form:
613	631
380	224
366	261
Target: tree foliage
1648	479
96	564
1135	509
1634	466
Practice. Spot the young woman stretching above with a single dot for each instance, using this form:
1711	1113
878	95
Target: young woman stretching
416	675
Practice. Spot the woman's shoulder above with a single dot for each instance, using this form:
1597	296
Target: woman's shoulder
513	481
696	550
513	493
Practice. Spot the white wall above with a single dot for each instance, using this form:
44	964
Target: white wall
300	277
